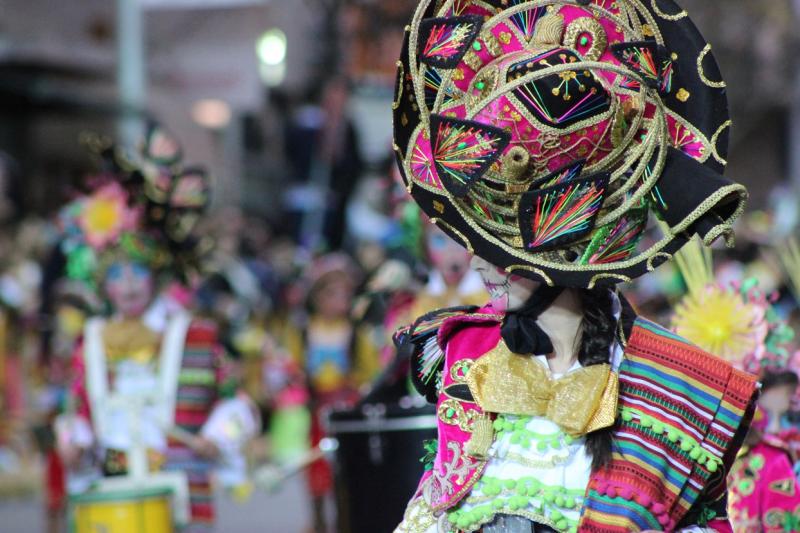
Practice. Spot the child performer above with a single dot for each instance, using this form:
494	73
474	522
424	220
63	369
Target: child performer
139	387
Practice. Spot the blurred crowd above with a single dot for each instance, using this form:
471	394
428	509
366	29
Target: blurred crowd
305	301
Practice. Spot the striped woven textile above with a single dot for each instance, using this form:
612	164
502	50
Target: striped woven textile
201	378
198	473
681	409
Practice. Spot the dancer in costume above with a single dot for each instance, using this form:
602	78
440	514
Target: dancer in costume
764	493
451	282
148	394
337	358
551	138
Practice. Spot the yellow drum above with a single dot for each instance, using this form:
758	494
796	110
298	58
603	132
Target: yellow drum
130	511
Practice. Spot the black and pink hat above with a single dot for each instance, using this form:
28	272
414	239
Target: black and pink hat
578	142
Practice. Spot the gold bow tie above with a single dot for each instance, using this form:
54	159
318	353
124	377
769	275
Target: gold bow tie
580	402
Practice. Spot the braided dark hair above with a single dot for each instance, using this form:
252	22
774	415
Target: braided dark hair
597	336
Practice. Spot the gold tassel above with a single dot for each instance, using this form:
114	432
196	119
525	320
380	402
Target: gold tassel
515	169
482	437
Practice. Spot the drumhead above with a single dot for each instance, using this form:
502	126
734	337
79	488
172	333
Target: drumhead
128	495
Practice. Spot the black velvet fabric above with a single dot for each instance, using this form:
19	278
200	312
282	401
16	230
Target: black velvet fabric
685	184
520	331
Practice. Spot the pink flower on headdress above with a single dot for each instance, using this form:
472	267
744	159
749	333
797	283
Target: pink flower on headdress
105	215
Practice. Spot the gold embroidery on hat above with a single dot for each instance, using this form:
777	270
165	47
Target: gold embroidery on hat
587	25
549	30
715	139
401	78
701	70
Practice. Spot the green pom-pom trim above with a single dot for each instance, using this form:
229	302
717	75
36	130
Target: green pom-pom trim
493	495
687	445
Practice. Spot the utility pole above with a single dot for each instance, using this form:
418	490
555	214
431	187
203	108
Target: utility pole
794	115
131	71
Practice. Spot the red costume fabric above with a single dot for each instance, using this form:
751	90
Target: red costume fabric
55	482
764	496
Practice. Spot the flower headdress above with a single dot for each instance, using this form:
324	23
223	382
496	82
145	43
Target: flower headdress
737	322
141	206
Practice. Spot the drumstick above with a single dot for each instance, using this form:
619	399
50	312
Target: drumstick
182	436
270	476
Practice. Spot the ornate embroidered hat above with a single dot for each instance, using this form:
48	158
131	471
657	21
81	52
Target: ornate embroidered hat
143	206
578	142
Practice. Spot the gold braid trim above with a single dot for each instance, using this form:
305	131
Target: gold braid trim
715	140
701	71
666	16
401	79
442	224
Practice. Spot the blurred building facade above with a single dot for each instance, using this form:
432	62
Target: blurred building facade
58	65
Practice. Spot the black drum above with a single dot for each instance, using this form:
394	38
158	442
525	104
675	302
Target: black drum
377	465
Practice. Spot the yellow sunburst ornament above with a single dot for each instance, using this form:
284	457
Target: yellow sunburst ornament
721	322
736	322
